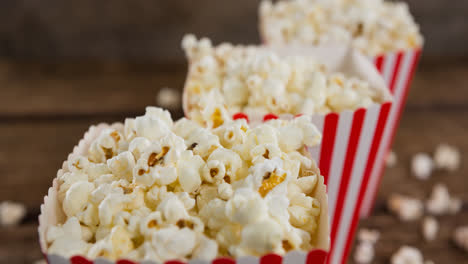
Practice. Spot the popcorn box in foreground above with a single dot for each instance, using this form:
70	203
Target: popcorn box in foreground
397	69
51	214
350	144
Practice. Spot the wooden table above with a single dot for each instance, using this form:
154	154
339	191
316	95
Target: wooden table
45	109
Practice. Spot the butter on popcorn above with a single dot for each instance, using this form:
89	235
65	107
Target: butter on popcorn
374	27
155	189
257	80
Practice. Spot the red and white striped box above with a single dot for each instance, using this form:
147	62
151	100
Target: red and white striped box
52	214
350	144
397	69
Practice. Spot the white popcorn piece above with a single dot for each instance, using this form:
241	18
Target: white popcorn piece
11	213
391	159
77	197
369	236
364	253
430	227
447	157
172	209
246	207
406	208
189	169
460	236
422	166
440	202
206	249
173	243
168	98
66	240
122	165
407	255
261	237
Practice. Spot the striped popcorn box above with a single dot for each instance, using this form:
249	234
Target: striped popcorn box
397	69
52	214
350	145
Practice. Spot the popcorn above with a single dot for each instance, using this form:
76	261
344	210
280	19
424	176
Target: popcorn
406	255
11	213
370	236
391	159
406	208
447	157
430	228
460	236
159	190
441	202
422	166
173	243
364	253
168	98
374	27
122	165
77	197
257	81
365	248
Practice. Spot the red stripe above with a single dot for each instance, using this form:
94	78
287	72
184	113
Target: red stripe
381	124
271	259
78	260
328	142
223	260
358	120
400	106
396	69
317	256
379	63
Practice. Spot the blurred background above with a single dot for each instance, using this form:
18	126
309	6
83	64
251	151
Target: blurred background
65	65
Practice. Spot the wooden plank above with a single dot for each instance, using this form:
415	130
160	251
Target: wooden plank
31	89
82	89
144	30
19	245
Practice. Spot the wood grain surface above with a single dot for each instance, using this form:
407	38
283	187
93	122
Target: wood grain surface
46	108
149	30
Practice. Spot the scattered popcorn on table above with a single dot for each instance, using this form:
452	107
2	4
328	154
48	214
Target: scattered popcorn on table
168	98
447	157
407	255
374	27
11	213
257	81
460	236
365	248
422	166
170	190
364	253
391	159
430	227
367	235
406	208
440	202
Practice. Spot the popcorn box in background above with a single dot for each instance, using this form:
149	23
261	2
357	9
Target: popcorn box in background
350	144
397	69
385	31
52	214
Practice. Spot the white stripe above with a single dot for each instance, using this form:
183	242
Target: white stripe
388	66
199	262
102	261
402	77
337	160
295	257
315	151
355	183
248	260
55	259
